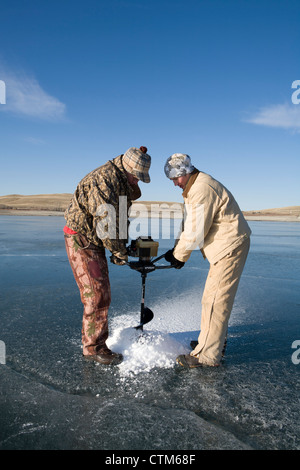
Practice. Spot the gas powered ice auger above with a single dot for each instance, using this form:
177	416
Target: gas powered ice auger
145	249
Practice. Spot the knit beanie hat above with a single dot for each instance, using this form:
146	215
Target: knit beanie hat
137	162
179	164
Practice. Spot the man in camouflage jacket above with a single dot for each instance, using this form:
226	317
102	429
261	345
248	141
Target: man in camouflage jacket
97	218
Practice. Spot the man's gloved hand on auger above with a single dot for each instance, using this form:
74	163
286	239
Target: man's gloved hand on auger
171	259
118	260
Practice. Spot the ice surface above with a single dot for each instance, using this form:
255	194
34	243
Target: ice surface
48	419
51	398
162	340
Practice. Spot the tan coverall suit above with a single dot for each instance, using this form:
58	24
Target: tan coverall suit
224	240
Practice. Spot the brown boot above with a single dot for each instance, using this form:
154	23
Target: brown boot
187	361
106	357
190	362
194	344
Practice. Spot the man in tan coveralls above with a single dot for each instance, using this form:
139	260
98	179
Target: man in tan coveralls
224	239
97	218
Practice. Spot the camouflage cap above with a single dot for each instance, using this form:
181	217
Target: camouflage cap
179	164
137	162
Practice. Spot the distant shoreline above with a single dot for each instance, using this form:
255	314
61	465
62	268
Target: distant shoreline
55	205
49	213
273	218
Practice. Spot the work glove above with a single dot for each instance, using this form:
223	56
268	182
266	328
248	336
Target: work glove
171	259
118	261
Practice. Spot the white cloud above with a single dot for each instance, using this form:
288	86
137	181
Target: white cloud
34	140
285	116
25	96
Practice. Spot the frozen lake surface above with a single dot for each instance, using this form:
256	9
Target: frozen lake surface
51	398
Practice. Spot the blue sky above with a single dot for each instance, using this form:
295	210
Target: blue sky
87	80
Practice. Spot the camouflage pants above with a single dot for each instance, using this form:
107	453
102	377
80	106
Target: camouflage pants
89	266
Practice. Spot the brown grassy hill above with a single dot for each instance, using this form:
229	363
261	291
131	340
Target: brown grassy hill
40	202
57	203
285	214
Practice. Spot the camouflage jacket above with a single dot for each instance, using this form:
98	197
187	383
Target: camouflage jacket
99	207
